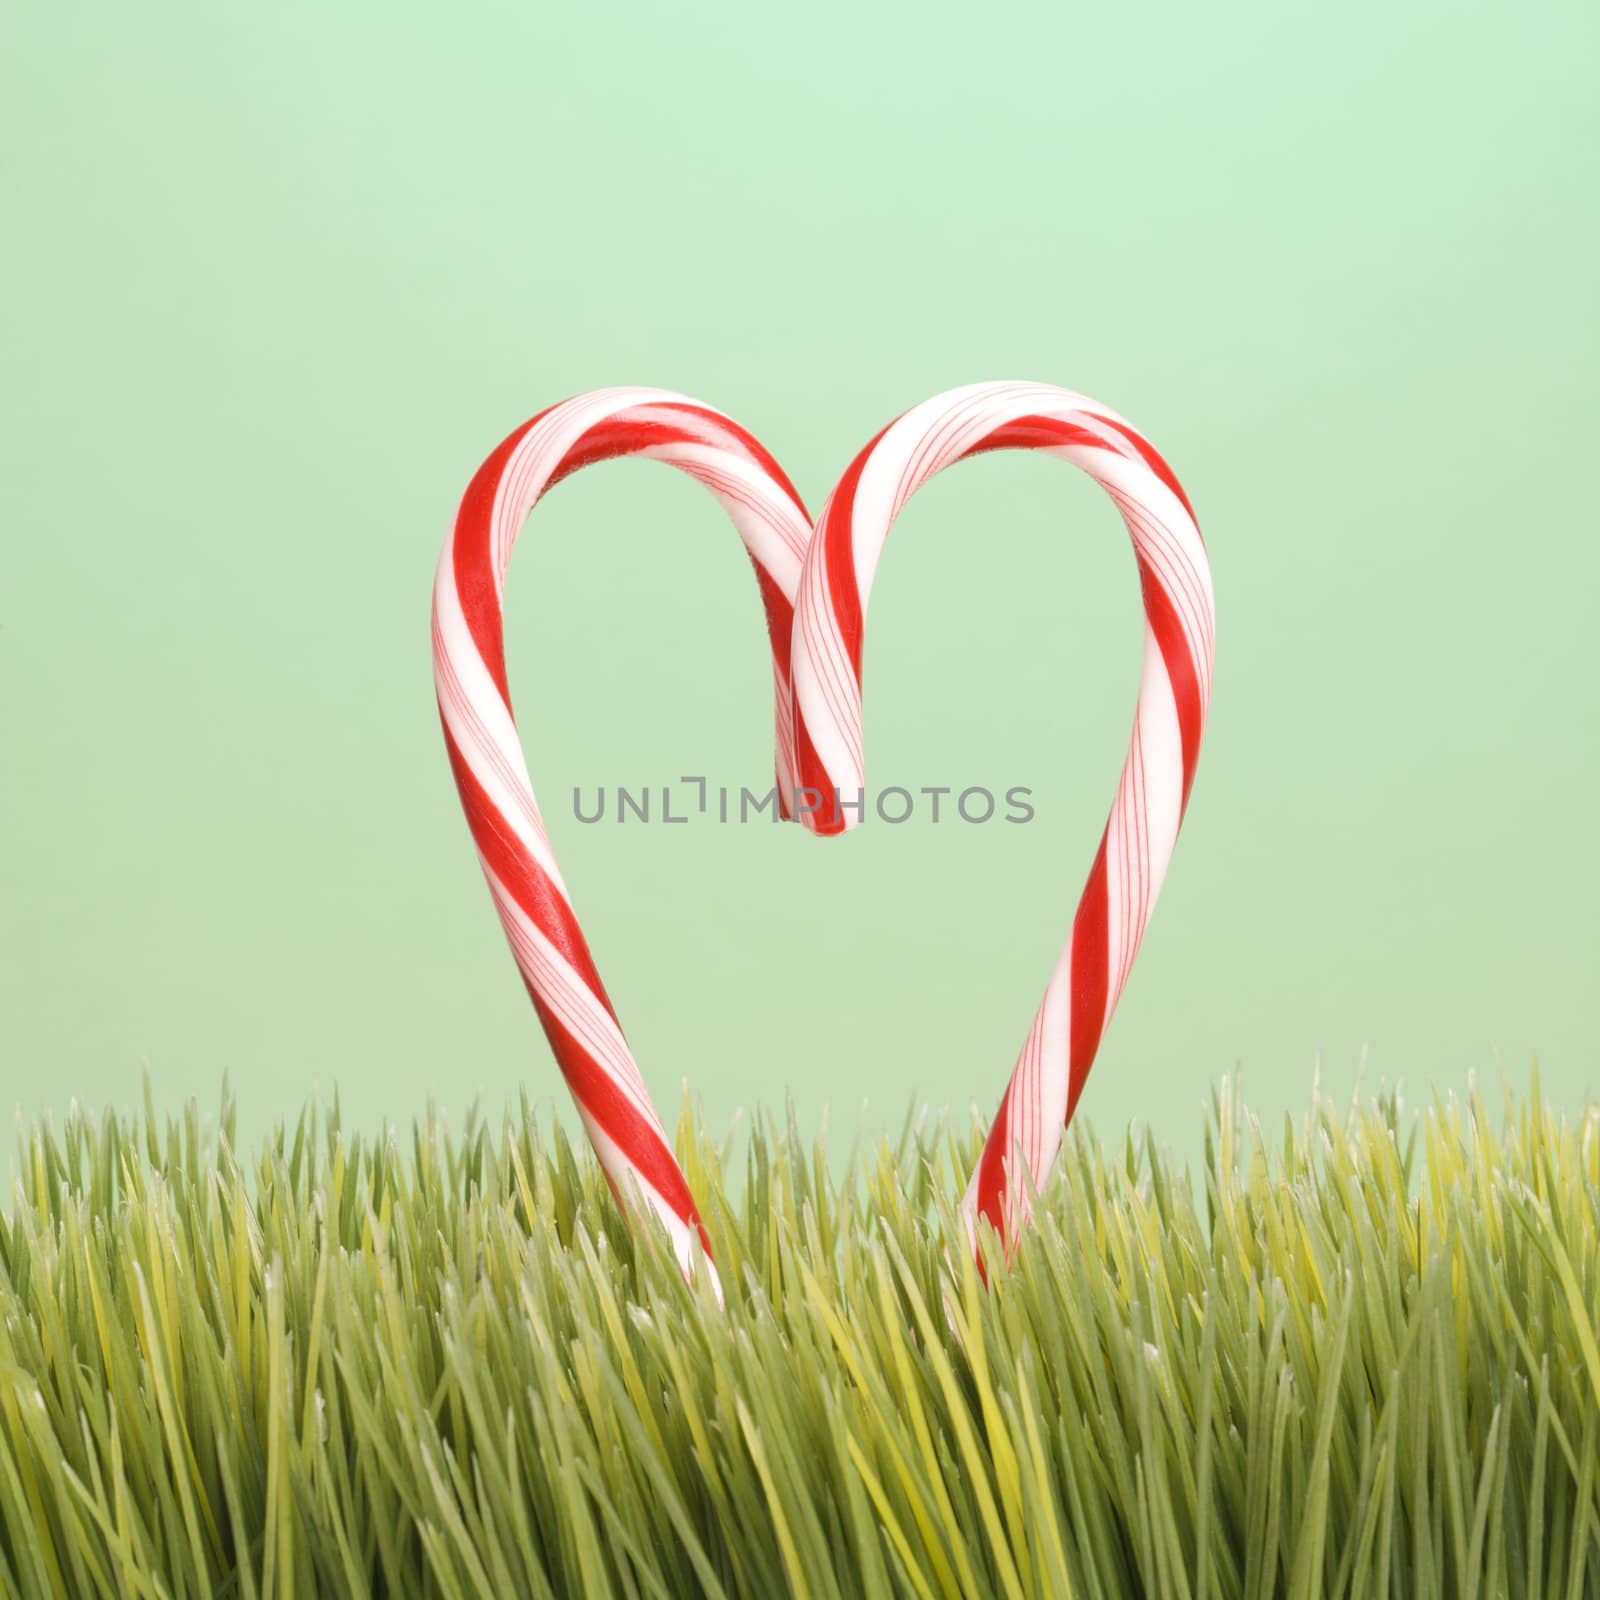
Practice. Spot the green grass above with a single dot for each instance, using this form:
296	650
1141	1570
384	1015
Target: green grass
1358	1357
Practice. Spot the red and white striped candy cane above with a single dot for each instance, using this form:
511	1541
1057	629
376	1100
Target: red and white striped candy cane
486	755
1170	717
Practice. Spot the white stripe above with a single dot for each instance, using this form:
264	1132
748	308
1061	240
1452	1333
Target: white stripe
575	1005
481	725
1162	743
825	684
541	451
767	520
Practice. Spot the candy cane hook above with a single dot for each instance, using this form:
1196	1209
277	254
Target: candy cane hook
486	754
1175	688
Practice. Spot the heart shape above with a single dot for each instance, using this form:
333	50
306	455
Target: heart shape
815	586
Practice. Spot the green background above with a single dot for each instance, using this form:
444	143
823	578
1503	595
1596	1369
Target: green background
277	277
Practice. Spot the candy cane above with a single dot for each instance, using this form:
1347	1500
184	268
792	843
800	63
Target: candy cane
1173	693
486	755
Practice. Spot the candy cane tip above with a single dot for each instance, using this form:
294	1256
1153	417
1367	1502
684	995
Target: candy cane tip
828	824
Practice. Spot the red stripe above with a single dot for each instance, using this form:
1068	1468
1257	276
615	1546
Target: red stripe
1166	625
991	1168
752	447
525	880
471	547
606	440
1036	433
1157	464
780	616
473	560
780	629
1090	960
844	600
1039	433
595	1091
811	774
618	436
838	546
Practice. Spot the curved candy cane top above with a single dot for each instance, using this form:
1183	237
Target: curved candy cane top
486	755
1174	690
